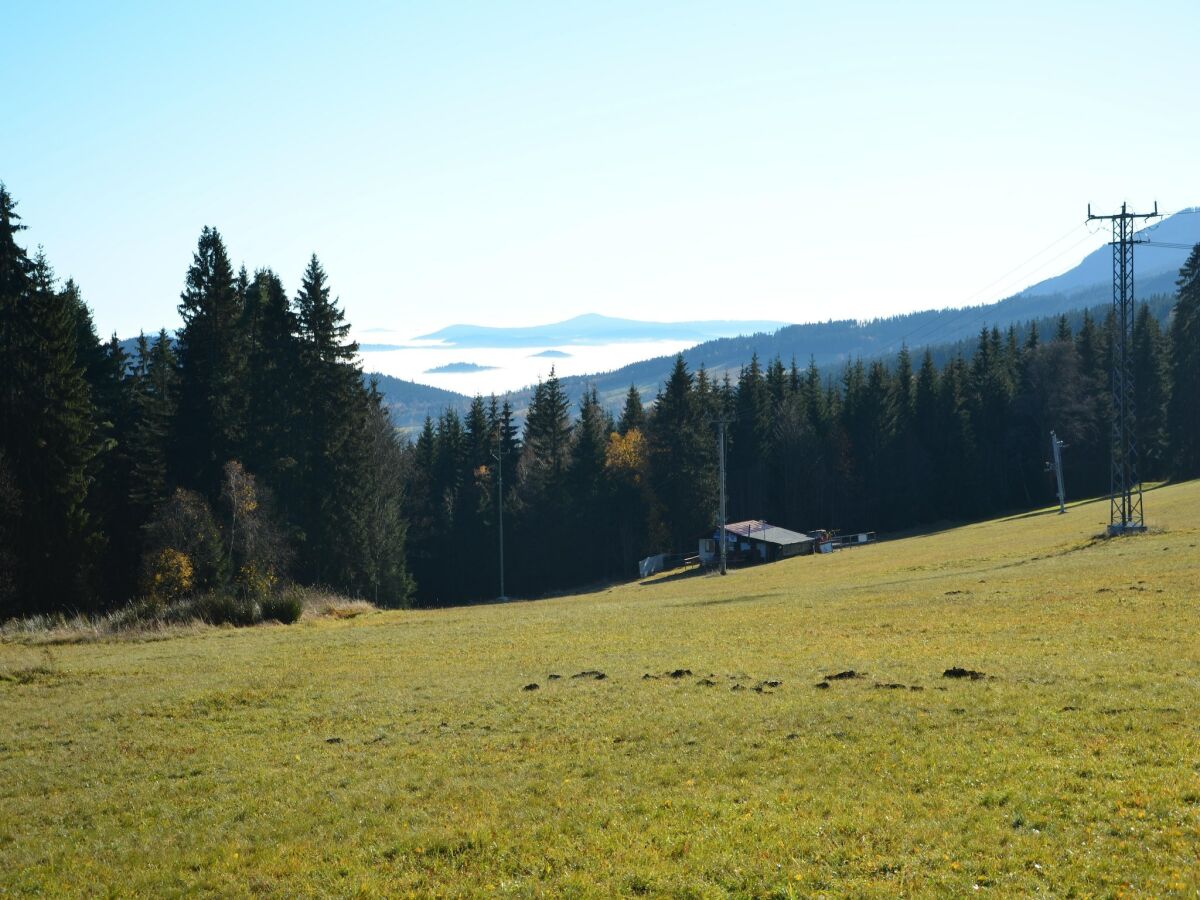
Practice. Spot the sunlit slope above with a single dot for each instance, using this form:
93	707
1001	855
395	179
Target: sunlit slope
398	752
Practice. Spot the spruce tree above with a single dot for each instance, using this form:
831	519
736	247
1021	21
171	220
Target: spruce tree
156	401
633	414
114	388
210	427
47	432
336	437
274	398
1184	408
1150	394
682	456
480	435
544	552
590	501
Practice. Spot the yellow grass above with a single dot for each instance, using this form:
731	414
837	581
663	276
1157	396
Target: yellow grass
397	753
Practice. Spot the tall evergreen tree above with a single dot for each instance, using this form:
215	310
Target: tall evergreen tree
336	437
1149	395
544	553
48	434
1184	408
682	455
156	400
210	428
633	414
274	402
590	499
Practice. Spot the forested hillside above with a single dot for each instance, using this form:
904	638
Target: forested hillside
946	332
248	453
886	444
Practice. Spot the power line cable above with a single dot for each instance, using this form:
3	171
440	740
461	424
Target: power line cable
942	327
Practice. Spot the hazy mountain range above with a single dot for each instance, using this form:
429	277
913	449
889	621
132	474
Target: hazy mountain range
831	344
592	328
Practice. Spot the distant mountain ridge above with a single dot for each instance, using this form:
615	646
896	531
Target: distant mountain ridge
1150	262
831	344
593	328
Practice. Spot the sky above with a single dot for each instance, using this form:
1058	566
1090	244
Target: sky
500	163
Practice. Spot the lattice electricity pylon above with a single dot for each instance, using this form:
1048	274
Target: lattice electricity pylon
1125	486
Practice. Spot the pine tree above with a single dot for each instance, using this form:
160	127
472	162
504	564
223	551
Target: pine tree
925	425
748	487
114	389
908	464
49	455
1150	394
274	401
547	432
210	428
322	323
1184	408
480	436
1090	452
682	456
156	402
1063	331
336	439
422	520
590	500
633	414
543	555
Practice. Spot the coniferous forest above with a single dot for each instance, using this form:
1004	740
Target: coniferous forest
240	458
248	454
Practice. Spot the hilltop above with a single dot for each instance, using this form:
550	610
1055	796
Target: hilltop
808	742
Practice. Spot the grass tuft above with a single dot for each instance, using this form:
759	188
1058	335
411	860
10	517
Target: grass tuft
143	621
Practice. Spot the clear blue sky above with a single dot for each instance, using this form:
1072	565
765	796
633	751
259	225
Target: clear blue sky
517	163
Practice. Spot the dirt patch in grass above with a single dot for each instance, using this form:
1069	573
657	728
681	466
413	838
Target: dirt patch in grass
960	672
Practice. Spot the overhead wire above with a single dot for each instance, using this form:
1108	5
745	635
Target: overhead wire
946	328
935	322
941	327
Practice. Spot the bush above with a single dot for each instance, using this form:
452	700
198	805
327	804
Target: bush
169	577
253	583
286	606
220	608
184	524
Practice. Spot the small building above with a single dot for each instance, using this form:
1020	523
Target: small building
754	541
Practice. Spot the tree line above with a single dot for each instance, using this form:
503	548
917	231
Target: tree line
882	447
248	453
245	455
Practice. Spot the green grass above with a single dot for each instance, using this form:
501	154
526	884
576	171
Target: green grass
397	753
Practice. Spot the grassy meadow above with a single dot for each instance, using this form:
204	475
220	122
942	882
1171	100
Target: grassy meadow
397	753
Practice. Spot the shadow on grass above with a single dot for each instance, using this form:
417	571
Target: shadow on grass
677	576
724	601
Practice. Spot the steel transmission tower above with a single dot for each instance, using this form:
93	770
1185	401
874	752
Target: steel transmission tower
1125	493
